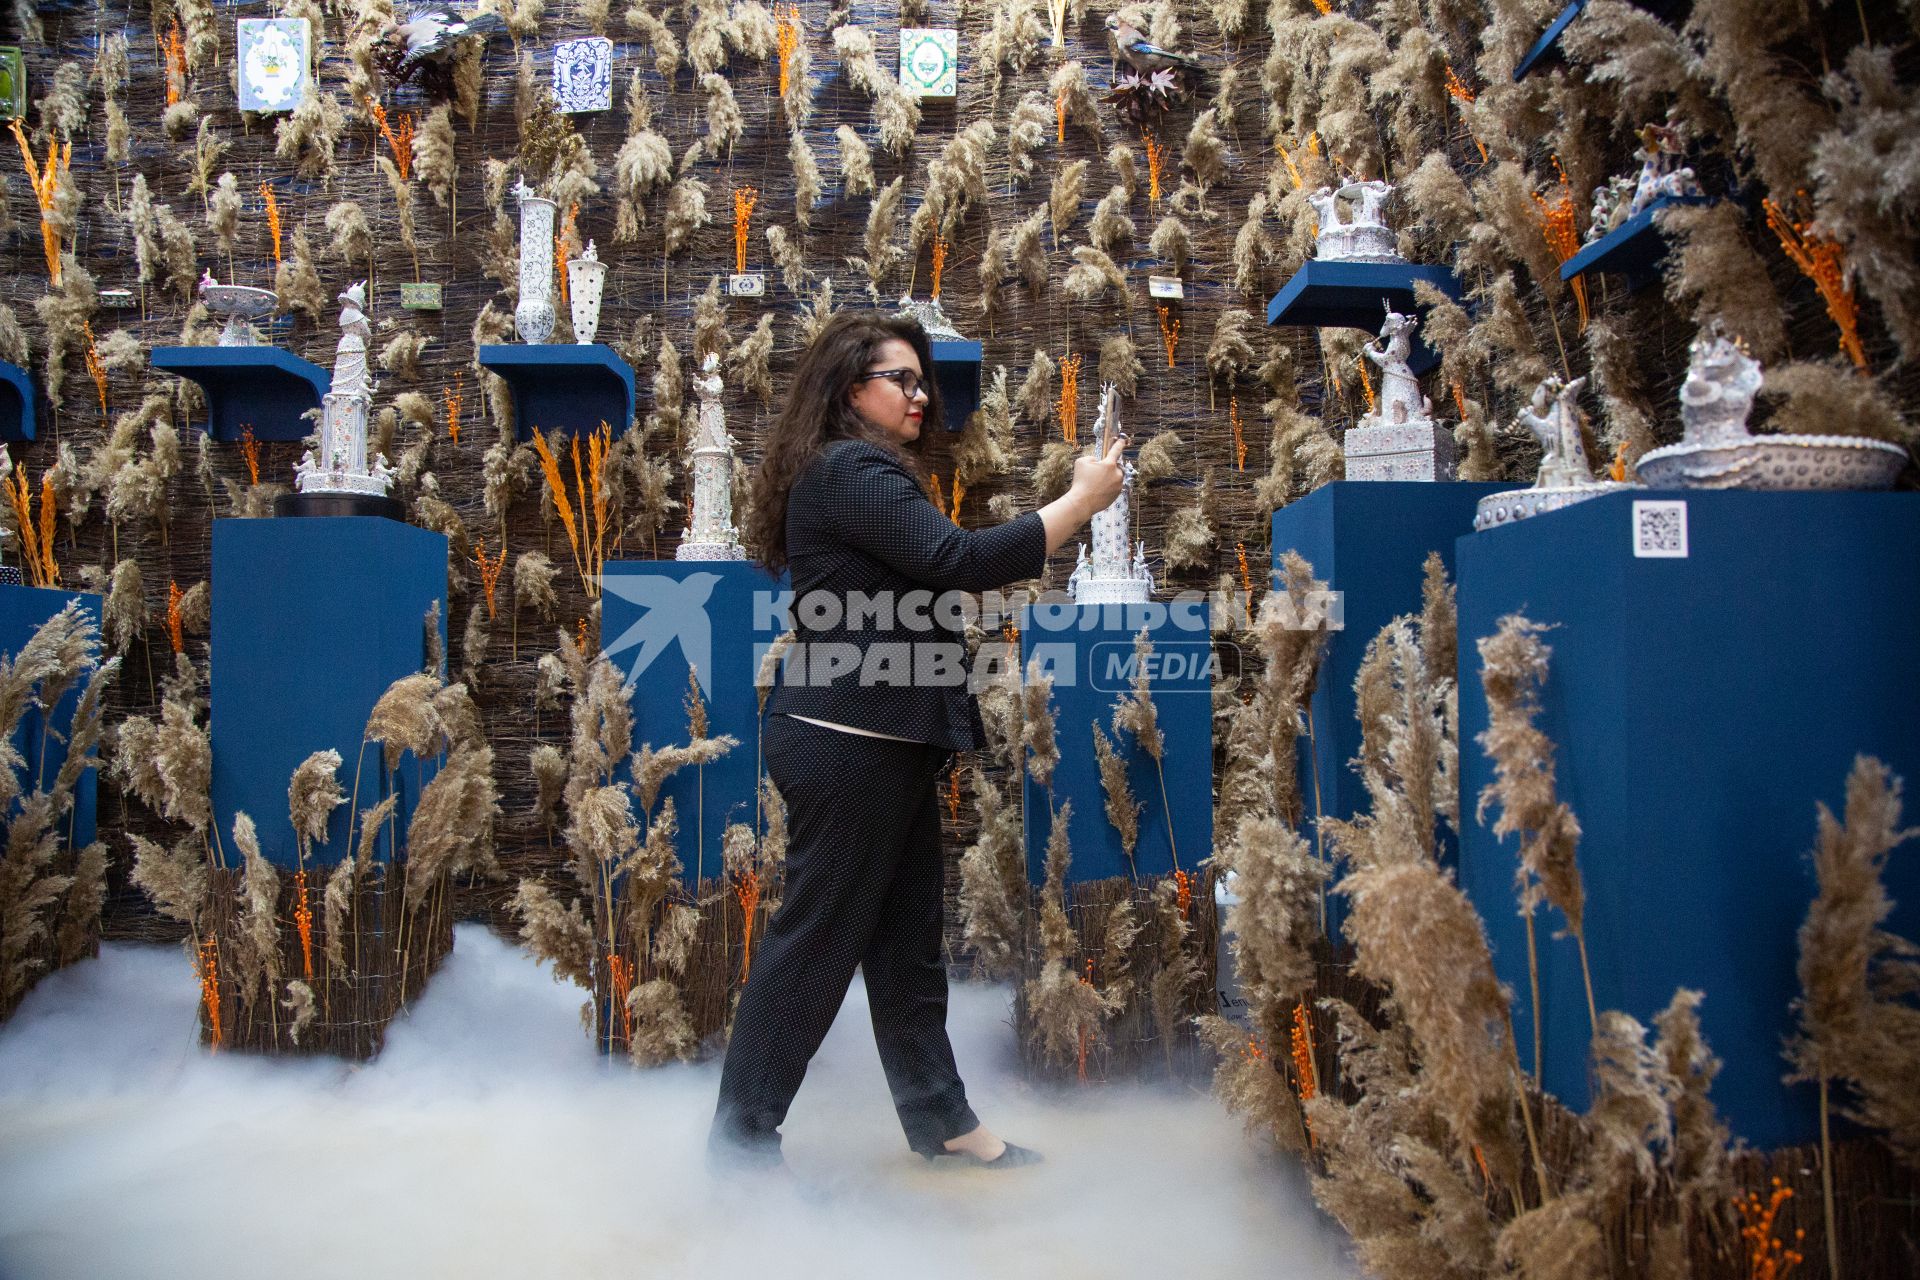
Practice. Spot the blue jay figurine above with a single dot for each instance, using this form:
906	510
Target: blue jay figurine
423	47
1155	79
1142	54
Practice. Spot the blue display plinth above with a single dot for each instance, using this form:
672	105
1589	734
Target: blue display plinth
1089	651
265	388
1351	295
312	620
956	368
566	387
661	619
41	738
1369	541
19	417
1634	248
1702	703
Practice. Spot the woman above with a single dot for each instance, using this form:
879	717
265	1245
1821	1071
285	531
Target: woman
869	707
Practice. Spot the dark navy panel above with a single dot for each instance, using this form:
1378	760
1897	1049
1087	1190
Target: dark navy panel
265	388
1701	707
570	387
659	619
1354	295
19	408
23	610
312	620
1089	649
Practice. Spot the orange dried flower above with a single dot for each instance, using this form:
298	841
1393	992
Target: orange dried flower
45	182
1822	260
1069	407
1169	331
273	217
489	570
173	51
1239	434
1156	162
787	32
303	922
1768	1258
1060	116
1183	887
940	247
620	978
399	137
95	368
209	967
250	451
176	630
1559	225
1366	385
1246	579
744	199
959	492
453	398
953	794
557	493
934	492
1460	401
1303	1069
746	888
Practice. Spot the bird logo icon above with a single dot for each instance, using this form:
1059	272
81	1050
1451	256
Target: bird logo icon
675	609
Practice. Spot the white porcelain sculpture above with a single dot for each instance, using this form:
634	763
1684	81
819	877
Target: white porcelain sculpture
1564	478
1661	177
712	535
586	282
241	304
1398	440
533	318
1367	237
1111	575
1716	451
340	463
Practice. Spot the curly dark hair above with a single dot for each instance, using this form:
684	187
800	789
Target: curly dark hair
818	410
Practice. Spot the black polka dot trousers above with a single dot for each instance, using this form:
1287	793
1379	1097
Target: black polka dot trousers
863	889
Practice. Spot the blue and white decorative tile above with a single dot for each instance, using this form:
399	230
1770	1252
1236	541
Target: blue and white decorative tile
275	54
583	74
930	61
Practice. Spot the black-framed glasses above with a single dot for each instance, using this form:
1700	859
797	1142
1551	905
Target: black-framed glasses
907	380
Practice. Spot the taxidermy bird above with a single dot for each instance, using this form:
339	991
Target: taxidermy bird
1142	54
425	45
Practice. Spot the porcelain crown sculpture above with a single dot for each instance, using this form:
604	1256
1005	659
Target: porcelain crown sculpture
1717	451
1398	440
712	535
533	317
1113	574
340	463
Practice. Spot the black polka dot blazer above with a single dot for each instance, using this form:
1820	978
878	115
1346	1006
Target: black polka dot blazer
877	645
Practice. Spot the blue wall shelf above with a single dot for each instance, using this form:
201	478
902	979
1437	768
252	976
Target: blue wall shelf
1546	50
1701	705
569	387
1328	293
956	367
18	417
266	388
1088	648
312	620
1634	248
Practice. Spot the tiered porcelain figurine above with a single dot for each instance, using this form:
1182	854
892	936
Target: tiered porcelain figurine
712	535
1111	575
1366	238
340	464
1564	477
1399	440
1717	451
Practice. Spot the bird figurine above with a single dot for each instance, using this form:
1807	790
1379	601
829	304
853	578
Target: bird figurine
1142	54
424	46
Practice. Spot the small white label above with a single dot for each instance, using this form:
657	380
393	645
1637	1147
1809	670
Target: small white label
1165	287
750	284
1660	530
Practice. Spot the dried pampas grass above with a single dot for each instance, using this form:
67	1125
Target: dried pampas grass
856	162
1715	273
806	178
1120	364
1028	133
1073	98
1171	243
790	257
307	137
1063	199
882	254
1831	397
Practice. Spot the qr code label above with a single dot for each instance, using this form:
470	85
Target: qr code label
1660	530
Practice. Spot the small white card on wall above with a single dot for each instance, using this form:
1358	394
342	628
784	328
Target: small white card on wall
1660	530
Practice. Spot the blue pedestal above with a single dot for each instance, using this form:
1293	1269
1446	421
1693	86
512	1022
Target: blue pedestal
956	368
1089	650
1634	248
564	386
1701	706
662	618
19	419
1350	295
312	620
22	612
260	387
1369	541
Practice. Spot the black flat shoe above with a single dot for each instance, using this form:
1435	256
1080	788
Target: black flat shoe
1012	1158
